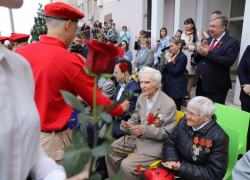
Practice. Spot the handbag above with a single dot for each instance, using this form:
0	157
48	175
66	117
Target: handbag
193	63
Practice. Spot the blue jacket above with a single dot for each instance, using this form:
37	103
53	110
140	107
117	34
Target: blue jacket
135	87
165	43
244	75
216	65
174	82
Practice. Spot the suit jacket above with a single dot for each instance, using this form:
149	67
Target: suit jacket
107	87
147	59
85	51
154	137
174	82
135	87
216	65
244	75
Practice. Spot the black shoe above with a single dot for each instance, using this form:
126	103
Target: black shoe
103	172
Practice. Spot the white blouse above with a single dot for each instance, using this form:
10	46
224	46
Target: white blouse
20	153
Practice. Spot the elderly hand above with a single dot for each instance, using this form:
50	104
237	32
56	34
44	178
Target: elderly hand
204	34
246	88
168	57
137	130
172	165
123	125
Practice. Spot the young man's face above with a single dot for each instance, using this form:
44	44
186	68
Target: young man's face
78	41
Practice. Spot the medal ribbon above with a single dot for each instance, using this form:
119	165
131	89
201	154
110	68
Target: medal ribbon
196	140
209	143
202	142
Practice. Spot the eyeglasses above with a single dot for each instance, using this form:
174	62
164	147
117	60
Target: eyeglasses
193	115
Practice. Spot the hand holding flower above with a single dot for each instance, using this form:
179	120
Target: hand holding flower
172	165
137	130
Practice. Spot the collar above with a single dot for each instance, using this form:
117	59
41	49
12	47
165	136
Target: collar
154	97
123	85
52	40
219	38
204	124
144	50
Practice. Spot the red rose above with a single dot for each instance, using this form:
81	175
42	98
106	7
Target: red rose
123	67
102	57
139	168
150	118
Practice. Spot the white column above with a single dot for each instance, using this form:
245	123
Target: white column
177	8
201	15
245	41
156	19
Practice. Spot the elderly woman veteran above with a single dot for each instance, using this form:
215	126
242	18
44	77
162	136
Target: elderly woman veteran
198	147
144	57
174	82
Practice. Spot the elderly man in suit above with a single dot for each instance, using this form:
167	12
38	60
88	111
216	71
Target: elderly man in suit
146	140
214	58
117	133
144	57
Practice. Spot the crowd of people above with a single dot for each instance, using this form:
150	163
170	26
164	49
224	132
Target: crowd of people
196	148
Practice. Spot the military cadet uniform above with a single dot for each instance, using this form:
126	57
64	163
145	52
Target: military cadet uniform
19	38
3	39
54	69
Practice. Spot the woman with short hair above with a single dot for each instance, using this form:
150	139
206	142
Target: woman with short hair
127	53
124	35
198	147
144	57
174	82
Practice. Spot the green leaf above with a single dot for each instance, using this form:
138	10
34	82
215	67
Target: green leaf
131	92
106	117
113	105
118	176
109	131
78	139
103	130
103	149
71	100
74	160
94	176
99	109
106	75
99	122
83	118
129	97
136	94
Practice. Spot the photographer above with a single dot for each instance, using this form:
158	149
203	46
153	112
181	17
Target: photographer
77	46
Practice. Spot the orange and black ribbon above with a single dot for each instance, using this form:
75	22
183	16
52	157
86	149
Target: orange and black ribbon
196	141
208	144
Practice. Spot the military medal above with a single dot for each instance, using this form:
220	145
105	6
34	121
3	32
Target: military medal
196	141
202	143
208	144
196	153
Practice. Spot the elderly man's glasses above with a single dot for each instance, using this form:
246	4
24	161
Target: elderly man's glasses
193	115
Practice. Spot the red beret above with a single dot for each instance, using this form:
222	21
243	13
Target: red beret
16	37
3	38
62	11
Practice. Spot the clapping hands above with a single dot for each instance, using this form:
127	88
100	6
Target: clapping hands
169	57
204	34
203	49
172	165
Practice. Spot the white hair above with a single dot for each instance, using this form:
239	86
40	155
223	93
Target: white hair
203	105
156	74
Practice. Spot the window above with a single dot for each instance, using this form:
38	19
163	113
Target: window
90	9
149	14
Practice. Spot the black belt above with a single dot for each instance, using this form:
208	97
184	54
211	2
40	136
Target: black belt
63	129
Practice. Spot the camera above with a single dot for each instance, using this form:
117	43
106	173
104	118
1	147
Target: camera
159	41
73	48
183	42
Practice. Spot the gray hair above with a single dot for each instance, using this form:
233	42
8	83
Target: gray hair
223	20
156	74
203	105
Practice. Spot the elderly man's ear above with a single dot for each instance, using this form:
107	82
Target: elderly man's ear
208	117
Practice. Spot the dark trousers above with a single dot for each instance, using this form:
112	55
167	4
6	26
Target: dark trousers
216	97
178	103
90	129
245	107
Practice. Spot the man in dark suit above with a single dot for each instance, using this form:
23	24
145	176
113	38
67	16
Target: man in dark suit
117	132
214	58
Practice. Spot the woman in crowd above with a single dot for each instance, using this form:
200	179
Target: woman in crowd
198	147
174	82
178	33
124	35
162	42
127	53
191	38
144	57
244	77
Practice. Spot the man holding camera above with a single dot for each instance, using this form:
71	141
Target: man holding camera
77	46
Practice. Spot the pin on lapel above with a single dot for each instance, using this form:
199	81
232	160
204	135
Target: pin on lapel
219	44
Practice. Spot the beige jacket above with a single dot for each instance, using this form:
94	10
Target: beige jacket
154	137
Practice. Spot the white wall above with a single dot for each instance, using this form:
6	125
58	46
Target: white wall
125	13
169	16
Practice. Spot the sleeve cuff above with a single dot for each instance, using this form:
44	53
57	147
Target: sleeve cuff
143	130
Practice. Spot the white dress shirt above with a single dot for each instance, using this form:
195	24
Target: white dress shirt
204	124
120	91
218	40
20	153
150	103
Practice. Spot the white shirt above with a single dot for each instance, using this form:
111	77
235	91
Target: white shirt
218	40
150	103
121	90
20	153
201	125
